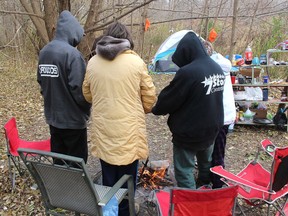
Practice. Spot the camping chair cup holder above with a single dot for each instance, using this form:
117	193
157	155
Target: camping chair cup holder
258	186
13	142
64	183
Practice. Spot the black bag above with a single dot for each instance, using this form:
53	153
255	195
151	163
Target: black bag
280	119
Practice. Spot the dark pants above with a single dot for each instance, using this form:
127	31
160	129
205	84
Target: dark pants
184	165
70	142
219	154
112	173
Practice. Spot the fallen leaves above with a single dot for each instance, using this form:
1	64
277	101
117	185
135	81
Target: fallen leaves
20	97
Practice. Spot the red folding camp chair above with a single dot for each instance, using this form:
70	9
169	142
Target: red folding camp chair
258	186
268	146
14	142
206	202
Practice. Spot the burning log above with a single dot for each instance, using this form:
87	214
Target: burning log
154	178
144	165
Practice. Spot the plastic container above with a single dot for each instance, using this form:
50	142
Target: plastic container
256	61
263	59
233	79
248	115
265	79
248	55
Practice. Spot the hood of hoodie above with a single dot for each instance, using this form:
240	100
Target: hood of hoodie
224	63
189	48
69	29
109	47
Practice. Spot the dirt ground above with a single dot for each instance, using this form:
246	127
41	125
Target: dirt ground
20	97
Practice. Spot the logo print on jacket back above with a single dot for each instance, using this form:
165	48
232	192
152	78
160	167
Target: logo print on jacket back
48	70
215	83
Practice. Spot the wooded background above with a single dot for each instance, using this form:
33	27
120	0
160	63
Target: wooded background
26	26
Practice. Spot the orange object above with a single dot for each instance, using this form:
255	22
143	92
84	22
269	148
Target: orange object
147	24
212	35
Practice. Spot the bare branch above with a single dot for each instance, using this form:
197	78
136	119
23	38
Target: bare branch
21	13
235	17
252	21
119	17
39	23
15	35
51	15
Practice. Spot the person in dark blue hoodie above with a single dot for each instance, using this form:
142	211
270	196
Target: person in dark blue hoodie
61	71
193	100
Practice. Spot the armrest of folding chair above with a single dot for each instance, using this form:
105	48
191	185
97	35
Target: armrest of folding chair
268	147
116	187
219	170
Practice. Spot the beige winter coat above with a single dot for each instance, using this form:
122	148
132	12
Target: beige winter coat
121	92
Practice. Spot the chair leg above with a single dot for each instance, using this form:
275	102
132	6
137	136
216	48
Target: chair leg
12	169
268	210
17	164
131	196
11	172
280	209
238	206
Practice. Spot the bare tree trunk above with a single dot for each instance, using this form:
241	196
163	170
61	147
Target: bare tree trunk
39	23
93	14
218	13
142	30
233	43
45	21
248	40
206	21
131	29
64	5
204	12
171	8
192	15
51	16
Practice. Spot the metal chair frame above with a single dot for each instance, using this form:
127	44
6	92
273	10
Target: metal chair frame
274	194
64	183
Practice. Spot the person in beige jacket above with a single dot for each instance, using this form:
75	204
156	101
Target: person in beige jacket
121	91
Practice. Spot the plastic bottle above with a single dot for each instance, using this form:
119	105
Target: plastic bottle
248	55
265	94
231	128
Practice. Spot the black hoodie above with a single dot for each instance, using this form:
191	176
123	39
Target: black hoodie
194	97
61	70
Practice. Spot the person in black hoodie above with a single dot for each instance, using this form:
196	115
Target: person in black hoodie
61	70
193	100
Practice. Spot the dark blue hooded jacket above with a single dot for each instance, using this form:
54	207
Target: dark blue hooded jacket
194	96
61	70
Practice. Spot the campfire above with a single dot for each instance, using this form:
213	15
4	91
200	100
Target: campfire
154	176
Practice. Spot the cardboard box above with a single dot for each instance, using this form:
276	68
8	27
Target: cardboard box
259	113
248	71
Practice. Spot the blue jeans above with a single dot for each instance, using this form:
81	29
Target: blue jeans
184	165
